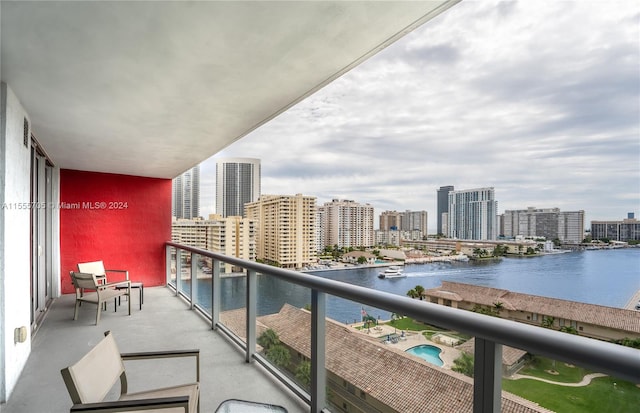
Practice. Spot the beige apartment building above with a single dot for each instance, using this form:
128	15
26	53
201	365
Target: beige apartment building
285	229
233	236
348	224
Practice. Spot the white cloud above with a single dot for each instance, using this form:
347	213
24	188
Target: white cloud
540	100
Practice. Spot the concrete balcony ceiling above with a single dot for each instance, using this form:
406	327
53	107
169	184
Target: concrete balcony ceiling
153	88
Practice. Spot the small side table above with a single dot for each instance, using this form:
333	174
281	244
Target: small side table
140	288
242	406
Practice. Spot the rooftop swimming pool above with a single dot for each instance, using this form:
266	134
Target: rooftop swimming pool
427	352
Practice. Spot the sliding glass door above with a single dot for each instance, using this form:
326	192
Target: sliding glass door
41	233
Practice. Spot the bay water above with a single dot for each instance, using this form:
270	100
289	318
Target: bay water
604	277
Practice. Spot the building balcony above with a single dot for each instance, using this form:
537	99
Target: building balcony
164	323
226	323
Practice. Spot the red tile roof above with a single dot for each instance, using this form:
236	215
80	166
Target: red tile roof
403	382
611	317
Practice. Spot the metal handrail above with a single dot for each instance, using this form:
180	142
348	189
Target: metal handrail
615	360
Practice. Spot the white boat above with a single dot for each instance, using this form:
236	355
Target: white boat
392	272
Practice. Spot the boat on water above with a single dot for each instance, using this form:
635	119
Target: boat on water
392	272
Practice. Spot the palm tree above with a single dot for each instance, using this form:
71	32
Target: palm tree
419	290
268	339
279	355
412	293
303	373
498	306
464	364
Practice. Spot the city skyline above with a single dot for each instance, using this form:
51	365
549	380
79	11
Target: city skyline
539	102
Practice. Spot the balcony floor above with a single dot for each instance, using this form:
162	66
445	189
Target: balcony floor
164	323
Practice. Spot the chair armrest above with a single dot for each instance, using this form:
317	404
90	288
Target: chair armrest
126	272
147	355
131	405
115	284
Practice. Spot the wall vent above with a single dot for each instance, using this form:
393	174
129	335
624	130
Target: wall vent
25	135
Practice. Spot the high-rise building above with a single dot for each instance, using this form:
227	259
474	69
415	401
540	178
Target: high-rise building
390	220
321	218
237	183
414	221
443	207
408	225
549	223
186	194
348	224
472	214
286	233
232	236
626	230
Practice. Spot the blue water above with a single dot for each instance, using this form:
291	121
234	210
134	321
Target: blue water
428	353
605	277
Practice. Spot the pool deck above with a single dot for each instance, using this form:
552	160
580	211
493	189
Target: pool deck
411	339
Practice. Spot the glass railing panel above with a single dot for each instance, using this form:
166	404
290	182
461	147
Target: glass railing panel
565	387
233	302
185	273
205	276
283	328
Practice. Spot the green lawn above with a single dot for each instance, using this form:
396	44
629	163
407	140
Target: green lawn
539	367
602	395
410	324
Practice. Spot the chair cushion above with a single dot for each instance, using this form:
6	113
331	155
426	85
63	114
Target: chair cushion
192	390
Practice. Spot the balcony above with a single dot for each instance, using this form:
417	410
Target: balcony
227	340
165	322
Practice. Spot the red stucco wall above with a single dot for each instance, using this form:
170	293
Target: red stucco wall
119	219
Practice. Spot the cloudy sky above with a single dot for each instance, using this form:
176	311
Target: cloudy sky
540	100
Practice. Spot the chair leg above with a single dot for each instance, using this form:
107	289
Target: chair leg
98	312
129	300
75	312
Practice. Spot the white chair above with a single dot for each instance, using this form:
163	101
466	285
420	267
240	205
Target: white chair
90	379
90	290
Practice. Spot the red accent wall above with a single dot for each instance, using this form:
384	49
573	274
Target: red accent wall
120	219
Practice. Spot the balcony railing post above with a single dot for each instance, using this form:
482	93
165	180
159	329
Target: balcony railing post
252	303
167	259
194	279
215	294
178	270
318	369
487	376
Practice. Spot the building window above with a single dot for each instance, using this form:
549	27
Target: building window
363	395
534	316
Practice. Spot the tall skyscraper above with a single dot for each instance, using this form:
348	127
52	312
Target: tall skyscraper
186	194
472	214
237	183
286	233
348	224
443	206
